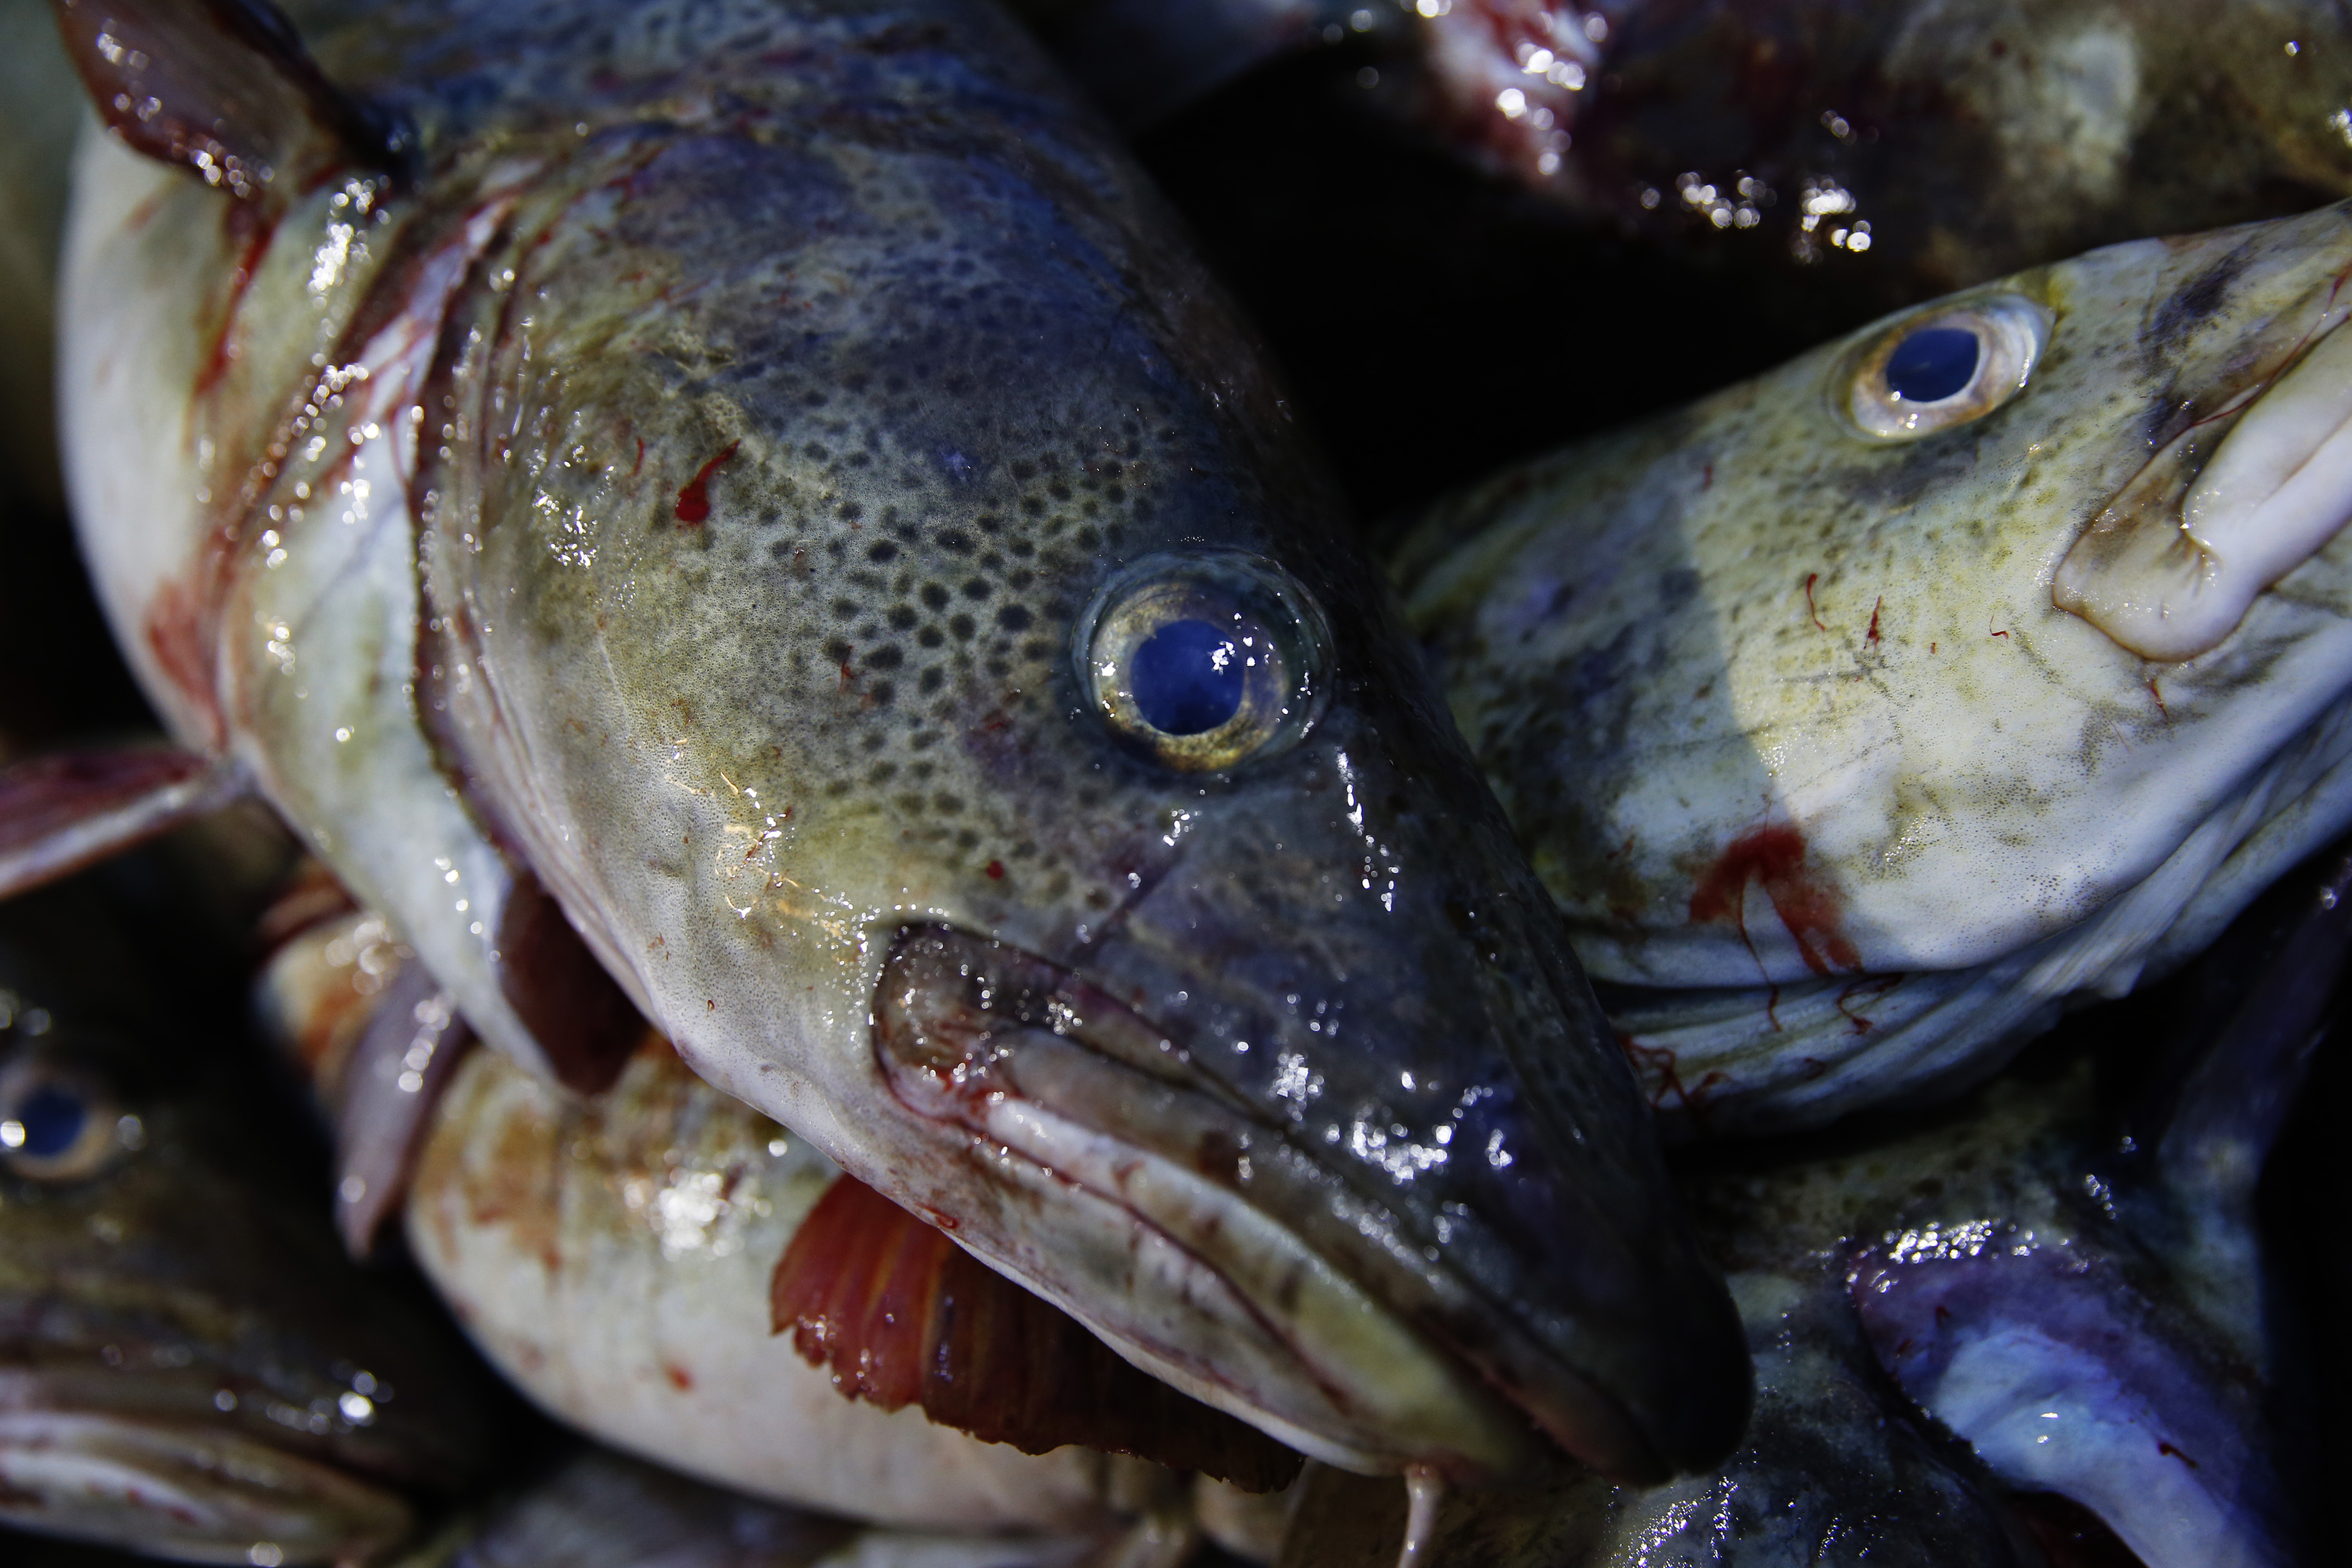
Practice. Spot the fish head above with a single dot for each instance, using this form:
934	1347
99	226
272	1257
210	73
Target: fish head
1926	649
882	592
191	1368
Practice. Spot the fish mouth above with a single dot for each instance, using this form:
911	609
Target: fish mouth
1245	1269
185	1484
2251	480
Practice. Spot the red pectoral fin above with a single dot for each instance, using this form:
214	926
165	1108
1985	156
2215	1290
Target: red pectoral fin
223	87
902	1315
63	811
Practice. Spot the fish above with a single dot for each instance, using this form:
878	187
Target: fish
1865	716
748	515
1890	153
2036	1324
621	1261
193	1369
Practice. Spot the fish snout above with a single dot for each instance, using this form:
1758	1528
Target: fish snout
2252	476
1396	1202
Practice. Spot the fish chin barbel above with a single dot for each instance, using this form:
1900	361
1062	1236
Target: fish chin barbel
1860	715
778	479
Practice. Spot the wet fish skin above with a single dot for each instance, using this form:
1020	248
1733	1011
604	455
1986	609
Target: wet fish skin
193	1369
1869	1263
777	429
1889	153
1838	802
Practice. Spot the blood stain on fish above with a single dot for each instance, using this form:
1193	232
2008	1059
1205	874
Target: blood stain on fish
694	496
1812	578
1658	1063
1774	858
1871	636
260	230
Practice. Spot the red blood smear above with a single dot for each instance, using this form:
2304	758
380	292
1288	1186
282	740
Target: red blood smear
694	496
261	228
996	870
1774	857
903	1316
1872	635
178	628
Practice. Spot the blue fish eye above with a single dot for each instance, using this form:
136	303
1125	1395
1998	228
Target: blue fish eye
53	1119
1186	677
1933	364
1203	661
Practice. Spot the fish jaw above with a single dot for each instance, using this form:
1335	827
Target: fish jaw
1295	1201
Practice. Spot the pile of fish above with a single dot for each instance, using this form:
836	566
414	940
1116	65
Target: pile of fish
938	919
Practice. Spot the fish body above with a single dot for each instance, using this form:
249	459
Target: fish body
193	1369
1897	152
712	470
1854	747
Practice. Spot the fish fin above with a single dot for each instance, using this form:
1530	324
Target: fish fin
1142	61
904	1315
70	809
585	1024
225	88
383	1099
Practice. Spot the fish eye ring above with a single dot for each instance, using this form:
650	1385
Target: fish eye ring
1945	366
56	1125
1203	661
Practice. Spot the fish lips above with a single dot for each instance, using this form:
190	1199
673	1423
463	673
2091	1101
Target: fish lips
1255	1268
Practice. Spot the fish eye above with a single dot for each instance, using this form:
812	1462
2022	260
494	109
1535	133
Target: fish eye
1945	367
1203	662
58	1126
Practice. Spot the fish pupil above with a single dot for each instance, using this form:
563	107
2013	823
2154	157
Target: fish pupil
1933	365
52	1120
1186	678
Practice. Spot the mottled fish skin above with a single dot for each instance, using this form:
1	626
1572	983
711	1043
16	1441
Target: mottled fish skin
191	1368
775	386
1839	804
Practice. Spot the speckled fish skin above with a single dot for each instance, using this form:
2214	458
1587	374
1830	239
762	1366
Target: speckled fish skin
193	1369
783	381
1840	806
